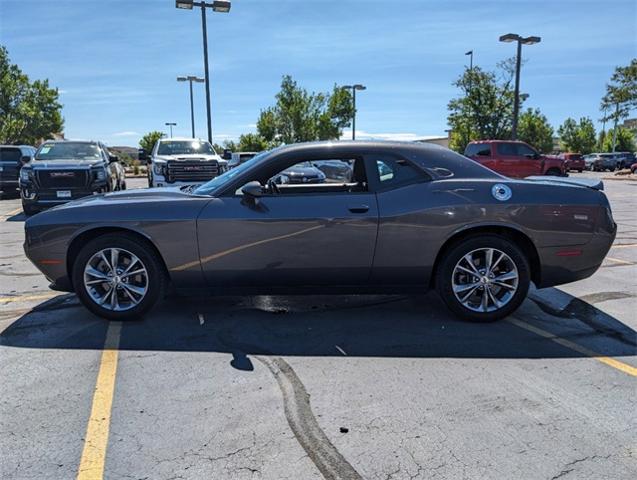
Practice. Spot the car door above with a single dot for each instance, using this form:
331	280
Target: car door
408	222
530	162
317	235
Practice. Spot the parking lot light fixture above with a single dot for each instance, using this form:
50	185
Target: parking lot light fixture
514	37
171	125
184	4
354	88
219	6
190	79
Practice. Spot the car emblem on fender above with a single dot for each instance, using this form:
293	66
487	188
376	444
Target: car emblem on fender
62	174
501	192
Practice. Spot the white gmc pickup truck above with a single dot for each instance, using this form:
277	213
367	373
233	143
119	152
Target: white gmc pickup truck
183	161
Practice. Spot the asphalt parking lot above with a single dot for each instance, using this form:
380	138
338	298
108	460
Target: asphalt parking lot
340	387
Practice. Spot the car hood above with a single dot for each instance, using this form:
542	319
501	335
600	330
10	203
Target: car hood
193	156
65	164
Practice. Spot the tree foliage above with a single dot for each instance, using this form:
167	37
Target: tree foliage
148	141
534	129
625	141
577	137
621	93
29	111
301	116
484	108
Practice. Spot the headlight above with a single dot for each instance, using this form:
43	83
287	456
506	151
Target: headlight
159	168
25	174
100	175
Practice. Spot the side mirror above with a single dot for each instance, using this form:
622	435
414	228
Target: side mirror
227	154
142	154
252	189
25	159
113	158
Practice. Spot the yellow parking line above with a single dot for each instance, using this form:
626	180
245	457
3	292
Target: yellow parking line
617	260
624	245
611	362
12	212
24	298
96	439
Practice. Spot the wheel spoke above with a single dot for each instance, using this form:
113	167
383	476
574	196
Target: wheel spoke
504	285
138	290
93	272
470	272
495	264
506	276
488	259
495	301
114	302
132	263
465	287
469	293
469	259
114	259
135	272
103	299
133	299
94	282
484	305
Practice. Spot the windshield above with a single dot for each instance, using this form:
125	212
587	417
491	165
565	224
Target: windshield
68	150
184	147
209	188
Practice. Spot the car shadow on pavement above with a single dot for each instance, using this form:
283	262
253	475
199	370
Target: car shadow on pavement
366	325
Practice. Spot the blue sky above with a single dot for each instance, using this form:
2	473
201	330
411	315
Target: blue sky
115	61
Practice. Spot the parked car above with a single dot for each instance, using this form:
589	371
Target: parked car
514	159
12	157
182	161
237	158
304	172
335	170
66	170
625	159
598	162
573	161
435	219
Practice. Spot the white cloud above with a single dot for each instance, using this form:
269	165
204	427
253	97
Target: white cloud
127	133
402	136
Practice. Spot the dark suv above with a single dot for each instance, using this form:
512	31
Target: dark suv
66	170
11	159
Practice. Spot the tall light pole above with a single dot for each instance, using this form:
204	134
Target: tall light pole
190	79
220	6
171	125
470	53
513	37
356	86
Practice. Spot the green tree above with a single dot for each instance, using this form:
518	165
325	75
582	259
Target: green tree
253	142
301	116
577	137
484	109
534	129
29	111
624	141
621	95
148	141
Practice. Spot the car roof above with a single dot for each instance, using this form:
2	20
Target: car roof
357	145
182	139
497	141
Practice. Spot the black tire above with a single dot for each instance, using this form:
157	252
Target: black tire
156	275
579	170
445	272
29	209
553	172
123	185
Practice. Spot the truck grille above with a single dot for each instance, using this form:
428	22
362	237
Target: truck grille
62	178
191	170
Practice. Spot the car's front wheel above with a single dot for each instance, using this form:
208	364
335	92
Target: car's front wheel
118	277
483	278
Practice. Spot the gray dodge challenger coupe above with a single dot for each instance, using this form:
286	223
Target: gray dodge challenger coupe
413	217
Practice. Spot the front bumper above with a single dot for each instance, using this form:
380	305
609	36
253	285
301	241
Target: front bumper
41	199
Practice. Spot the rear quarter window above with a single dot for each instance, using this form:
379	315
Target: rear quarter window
10	154
478	149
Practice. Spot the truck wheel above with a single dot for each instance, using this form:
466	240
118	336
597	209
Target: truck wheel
579	170
553	171
483	278
117	277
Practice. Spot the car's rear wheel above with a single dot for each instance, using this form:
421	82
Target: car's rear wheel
118	277
483	278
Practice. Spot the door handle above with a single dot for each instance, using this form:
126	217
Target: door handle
358	208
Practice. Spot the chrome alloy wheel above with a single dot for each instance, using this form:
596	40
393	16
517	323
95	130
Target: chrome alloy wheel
115	279
485	280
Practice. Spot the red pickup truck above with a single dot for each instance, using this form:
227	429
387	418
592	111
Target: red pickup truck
514	158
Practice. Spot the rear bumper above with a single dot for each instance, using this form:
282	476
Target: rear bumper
562	265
